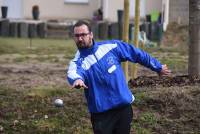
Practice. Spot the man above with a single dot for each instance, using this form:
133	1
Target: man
97	68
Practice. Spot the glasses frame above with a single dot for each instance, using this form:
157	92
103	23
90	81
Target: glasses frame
82	35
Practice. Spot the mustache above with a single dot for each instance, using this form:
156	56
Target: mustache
80	43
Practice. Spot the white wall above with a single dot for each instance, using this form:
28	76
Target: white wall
14	8
152	5
146	7
142	8
110	8
57	9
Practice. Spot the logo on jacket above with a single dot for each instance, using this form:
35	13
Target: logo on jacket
110	60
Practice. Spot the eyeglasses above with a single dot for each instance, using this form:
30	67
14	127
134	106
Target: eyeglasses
81	35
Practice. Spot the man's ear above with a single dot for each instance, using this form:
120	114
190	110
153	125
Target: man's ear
92	34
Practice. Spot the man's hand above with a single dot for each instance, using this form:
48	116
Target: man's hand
165	71
79	84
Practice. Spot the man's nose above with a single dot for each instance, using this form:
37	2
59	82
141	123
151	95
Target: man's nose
79	38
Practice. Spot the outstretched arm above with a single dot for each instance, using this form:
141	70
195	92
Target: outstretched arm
164	71
79	84
75	74
136	55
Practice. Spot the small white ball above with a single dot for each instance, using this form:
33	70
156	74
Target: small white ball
58	103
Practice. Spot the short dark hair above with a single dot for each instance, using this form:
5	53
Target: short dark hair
82	22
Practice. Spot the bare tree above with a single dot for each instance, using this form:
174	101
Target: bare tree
125	32
194	35
136	32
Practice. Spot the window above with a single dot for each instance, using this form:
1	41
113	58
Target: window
76	1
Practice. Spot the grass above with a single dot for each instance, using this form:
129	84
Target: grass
175	58
156	109
42	50
33	111
145	119
60	50
167	110
38	46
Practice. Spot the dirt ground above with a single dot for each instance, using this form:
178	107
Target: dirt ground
30	74
27	75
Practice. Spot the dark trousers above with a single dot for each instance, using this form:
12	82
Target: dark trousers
115	121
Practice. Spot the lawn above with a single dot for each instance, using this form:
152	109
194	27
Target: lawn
33	75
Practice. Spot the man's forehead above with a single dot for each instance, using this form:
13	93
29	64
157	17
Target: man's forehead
82	27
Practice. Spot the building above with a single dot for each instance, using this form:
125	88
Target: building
74	9
70	10
84	9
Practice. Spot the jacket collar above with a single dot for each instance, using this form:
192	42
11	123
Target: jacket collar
88	51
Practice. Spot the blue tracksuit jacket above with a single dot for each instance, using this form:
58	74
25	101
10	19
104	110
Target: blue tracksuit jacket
100	68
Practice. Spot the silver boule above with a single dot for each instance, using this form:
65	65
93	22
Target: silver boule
58	103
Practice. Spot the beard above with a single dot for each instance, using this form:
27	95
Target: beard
82	44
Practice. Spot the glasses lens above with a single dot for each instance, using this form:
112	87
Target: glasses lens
80	35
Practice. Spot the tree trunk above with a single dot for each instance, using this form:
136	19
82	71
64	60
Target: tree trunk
194	35
136	34
125	33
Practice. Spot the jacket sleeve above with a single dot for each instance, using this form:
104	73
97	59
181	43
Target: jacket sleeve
74	71
129	52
